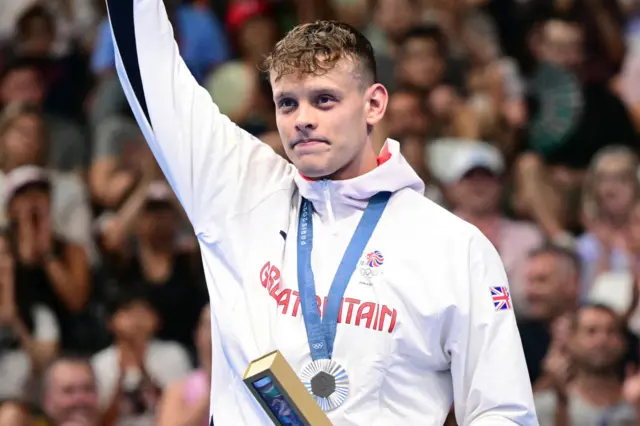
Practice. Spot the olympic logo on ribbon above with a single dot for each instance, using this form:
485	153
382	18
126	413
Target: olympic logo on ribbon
317	345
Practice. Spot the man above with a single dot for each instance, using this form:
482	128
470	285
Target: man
420	304
594	395
551	290
474	183
70	395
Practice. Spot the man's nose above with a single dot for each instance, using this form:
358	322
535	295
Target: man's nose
306	119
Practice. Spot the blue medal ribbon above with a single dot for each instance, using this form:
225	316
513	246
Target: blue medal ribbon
321	332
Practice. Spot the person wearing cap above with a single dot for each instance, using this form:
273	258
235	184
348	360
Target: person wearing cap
141	241
23	143
53	270
474	183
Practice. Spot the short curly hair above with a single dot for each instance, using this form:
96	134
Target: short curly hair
315	49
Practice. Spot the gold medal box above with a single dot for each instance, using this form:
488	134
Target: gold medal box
281	394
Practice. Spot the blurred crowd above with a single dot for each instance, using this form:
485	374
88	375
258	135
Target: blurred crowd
521	116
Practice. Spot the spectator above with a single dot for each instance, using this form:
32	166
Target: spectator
21	81
596	347
172	275
611	190
48	269
29	331
186	402
476	172
69	393
133	371
551	289
23	143
407	115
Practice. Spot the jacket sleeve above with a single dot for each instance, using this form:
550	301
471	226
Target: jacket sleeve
212	165
490	379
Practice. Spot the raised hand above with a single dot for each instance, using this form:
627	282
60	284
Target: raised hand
26	232
44	238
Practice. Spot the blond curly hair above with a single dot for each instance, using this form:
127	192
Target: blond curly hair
315	49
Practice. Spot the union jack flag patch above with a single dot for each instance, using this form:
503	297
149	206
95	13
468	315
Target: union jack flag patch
501	298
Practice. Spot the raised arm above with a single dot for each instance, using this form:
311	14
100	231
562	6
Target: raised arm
490	380
213	166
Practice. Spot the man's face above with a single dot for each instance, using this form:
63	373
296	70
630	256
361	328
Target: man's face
405	115
22	144
22	85
478	192
563	44
549	286
597	344
323	120
421	64
71	397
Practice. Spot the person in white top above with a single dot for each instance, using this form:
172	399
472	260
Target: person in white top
425	320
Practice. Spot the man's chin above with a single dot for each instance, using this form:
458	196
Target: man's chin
313	170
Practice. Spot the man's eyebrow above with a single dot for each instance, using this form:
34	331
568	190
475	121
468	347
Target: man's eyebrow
280	95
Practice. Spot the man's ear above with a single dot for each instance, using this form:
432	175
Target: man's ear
377	99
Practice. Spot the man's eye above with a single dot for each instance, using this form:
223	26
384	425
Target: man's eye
286	103
324	99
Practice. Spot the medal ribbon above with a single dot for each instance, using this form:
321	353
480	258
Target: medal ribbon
321	332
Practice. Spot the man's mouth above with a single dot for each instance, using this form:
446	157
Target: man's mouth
308	142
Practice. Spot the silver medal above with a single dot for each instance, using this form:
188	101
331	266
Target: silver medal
327	382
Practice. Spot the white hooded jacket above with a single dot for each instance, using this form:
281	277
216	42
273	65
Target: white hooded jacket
417	329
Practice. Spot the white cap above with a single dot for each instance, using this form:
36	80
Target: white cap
474	155
20	177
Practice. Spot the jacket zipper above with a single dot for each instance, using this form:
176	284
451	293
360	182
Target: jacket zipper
327	201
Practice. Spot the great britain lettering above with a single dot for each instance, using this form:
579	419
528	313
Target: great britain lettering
352	311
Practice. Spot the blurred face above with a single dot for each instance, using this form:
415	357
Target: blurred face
421	64
478	192
324	120
158	225
29	199
22	85
405	115
548	286
615	185
135	321
597	344
257	37
70	398
562	44
22	144
412	149
39	37
395	17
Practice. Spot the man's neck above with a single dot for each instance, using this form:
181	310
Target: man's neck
597	389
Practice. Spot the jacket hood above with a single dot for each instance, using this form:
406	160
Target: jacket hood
340	197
